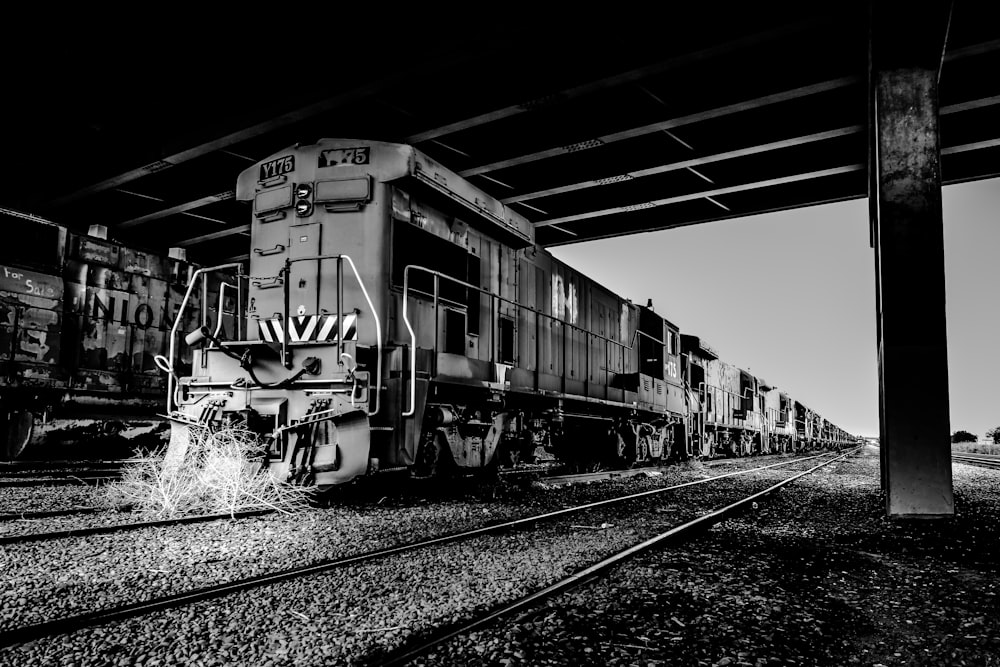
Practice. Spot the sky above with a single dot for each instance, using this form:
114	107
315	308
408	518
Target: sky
790	297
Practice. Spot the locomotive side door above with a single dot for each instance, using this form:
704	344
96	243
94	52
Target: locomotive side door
303	281
506	311
267	258
527	322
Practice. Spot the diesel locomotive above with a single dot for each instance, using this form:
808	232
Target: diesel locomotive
396	317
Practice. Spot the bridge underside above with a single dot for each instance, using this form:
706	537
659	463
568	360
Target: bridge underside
590	126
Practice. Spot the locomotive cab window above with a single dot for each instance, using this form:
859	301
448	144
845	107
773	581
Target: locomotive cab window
412	245
506	351
651	344
747	391
454	338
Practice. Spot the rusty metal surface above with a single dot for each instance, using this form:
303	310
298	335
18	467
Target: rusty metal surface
83	317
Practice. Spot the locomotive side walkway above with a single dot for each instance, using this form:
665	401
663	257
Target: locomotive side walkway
816	576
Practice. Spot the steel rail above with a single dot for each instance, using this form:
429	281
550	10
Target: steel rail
991	463
69	480
42	474
88	619
124	527
45	514
546	477
405	654
65	463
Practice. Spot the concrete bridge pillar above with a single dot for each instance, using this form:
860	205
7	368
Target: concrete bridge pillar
906	48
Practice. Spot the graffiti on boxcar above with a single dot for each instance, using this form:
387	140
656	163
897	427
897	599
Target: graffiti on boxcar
125	309
21	282
32	344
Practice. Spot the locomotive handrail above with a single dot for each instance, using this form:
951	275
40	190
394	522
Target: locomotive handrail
644	335
222	292
340	324
177	321
437	274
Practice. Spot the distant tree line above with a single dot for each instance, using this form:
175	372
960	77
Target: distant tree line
992	435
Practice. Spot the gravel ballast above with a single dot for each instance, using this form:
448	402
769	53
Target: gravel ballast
816	576
366	607
46	498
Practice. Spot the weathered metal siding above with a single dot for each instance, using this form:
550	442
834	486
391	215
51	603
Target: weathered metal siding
606	358
31	293
30	328
119	306
723	381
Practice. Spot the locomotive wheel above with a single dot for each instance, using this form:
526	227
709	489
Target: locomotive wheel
680	444
642	449
624	453
434	457
708	445
16	429
426	455
513	451
511	456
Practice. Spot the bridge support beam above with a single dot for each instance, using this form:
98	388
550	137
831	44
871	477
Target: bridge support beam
907	43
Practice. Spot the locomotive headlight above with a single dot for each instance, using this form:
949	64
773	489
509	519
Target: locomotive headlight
303	190
303	208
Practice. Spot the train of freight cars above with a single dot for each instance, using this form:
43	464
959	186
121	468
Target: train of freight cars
82	320
396	317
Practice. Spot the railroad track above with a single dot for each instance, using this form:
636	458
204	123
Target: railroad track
66	464
125	527
43	474
526	604
46	514
122	612
66	480
984	460
62	473
554	475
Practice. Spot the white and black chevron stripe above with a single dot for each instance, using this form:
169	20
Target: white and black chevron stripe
309	328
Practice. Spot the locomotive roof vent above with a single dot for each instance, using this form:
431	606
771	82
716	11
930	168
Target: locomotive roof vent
178	253
98	231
